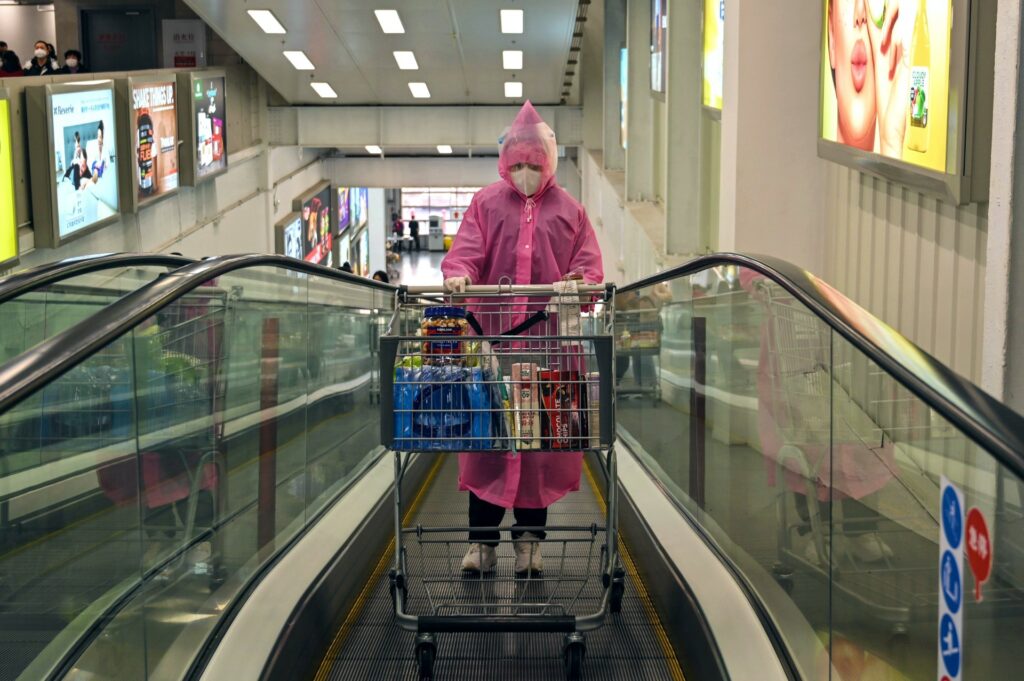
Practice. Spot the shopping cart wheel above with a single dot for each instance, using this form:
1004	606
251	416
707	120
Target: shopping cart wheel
426	652
618	589
573	652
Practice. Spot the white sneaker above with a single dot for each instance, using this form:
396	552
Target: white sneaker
479	558
528	558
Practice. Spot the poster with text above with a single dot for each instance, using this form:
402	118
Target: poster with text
624	97
659	38
714	52
293	244
318	240
344	211
84	140
211	125
359	199
885	78
8	217
154	131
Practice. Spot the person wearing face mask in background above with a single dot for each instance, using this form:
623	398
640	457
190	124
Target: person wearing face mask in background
42	63
73	63
10	67
528	230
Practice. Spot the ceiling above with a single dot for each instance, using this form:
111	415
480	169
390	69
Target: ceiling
458	44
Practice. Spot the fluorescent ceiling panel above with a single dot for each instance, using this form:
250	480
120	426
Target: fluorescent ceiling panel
511	21
513	88
419	90
406	60
324	90
512	59
374	149
389	21
266	20
444	149
299	60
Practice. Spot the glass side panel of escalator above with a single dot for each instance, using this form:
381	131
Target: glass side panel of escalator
821	477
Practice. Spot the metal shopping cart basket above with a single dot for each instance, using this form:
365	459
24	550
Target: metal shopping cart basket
524	378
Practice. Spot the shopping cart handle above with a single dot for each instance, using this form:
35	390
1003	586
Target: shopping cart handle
516	289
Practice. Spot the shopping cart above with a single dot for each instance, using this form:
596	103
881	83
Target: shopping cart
527	378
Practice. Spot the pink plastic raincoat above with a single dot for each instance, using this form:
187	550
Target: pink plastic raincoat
508	236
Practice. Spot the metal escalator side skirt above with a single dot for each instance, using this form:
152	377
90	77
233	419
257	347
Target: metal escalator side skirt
51	273
732	644
47	361
982	418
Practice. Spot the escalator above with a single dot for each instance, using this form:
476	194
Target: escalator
783	457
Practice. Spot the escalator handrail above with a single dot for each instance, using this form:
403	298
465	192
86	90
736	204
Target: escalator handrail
982	418
43	363
54	272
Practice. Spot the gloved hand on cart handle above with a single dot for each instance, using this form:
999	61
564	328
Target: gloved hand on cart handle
456	284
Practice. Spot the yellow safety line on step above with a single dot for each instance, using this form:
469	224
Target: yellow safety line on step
378	572
675	671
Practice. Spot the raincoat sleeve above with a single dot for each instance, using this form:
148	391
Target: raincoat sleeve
467	255
586	253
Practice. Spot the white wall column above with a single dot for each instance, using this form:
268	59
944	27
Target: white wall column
683	233
772	181
378	226
640	154
1002	366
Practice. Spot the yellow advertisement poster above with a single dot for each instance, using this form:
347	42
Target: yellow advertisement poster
8	219
714	52
885	77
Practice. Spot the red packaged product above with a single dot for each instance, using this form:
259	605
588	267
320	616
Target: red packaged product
562	424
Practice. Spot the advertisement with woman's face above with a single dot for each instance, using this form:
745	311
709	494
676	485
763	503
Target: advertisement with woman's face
344	212
885	78
316	229
84	139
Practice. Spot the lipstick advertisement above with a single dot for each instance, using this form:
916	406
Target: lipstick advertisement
885	78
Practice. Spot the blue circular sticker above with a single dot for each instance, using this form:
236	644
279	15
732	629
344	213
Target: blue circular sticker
952	517
949	645
951	586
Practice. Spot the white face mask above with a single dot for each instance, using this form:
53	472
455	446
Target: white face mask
40	54
526	180
71	62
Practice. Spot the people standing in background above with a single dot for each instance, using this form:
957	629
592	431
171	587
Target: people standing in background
10	67
3	48
42	64
381	276
414	232
397	231
346	267
73	62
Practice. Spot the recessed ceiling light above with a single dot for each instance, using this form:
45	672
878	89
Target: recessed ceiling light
512	59
444	149
513	88
374	149
267	21
511	21
419	90
406	60
389	21
299	60
324	90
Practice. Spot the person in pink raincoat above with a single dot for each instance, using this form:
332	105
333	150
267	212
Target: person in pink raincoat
524	229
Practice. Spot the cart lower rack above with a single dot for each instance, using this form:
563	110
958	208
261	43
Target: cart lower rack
506	372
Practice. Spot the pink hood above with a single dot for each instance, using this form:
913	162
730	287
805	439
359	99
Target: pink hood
528	140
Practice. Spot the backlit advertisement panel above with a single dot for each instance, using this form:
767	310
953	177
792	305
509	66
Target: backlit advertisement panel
659	38
8	216
885	78
210	125
344	210
317	237
714	52
84	144
359	199
624	97
288	234
154	134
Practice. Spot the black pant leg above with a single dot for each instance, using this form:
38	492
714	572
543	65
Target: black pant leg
484	514
530	517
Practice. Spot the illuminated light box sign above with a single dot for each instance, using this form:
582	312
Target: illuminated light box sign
75	180
288	237
151	119
8	214
202	120
344	210
314	209
659	39
894	84
359	200
714	52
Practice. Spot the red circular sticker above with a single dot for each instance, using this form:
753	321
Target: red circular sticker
979	549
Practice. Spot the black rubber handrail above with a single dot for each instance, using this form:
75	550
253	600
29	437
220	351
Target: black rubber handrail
55	356
54	272
982	418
